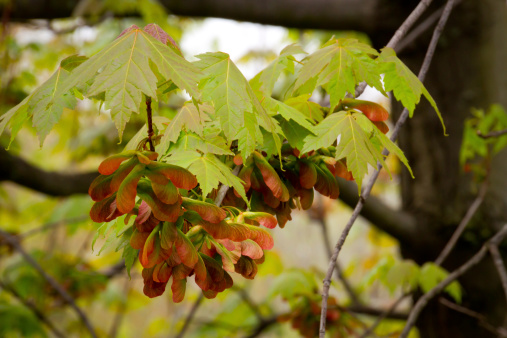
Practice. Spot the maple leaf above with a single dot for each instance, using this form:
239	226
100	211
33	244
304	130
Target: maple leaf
405	85
339	66
265	80
236	105
36	104
209	170
189	117
354	143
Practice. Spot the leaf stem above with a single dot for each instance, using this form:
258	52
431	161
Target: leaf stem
150	123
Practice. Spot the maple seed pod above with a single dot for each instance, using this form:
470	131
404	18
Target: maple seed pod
372	110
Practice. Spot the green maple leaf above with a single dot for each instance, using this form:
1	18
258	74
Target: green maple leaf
265	80
288	112
210	172
120	74
226	87
36	105
233	100
405	85
249	136
339	66
192	141
354	143
311	110
189	117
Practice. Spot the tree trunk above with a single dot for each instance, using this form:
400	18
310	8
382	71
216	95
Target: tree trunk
469	70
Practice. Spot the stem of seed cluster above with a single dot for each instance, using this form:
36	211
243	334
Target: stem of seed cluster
150	123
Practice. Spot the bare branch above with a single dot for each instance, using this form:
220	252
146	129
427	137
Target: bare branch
500	332
319	216
384	315
38	313
224	188
463	224
54	284
190	316
19	171
399	224
476	259
492	134
409	21
315	14
500	266
367	190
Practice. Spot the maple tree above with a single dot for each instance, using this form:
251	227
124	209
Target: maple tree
284	151
164	200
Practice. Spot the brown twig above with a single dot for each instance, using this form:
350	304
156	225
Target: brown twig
463	224
476	259
38	313
150	123
500	266
339	272
249	302
384	315
54	284
492	134
190	316
499	332
404	115
50	225
121	312
224	188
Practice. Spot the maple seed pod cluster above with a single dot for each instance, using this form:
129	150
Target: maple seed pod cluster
178	236
277	192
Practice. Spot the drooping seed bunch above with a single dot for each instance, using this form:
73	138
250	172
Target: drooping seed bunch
178	236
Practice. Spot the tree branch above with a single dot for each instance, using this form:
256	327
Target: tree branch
17	170
315	14
500	266
418	11
384	315
51	281
190	316
38	313
492	134
500	332
463	224
476	259
399	224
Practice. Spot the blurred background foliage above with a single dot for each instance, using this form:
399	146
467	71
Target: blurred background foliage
284	298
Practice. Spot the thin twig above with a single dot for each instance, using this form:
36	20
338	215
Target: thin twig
404	115
500	266
249	302
339	272
38	313
492	134
50	225
384	315
150	123
224	188
190	316
113	332
408	23
476	259
463	224
54	284
499	332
